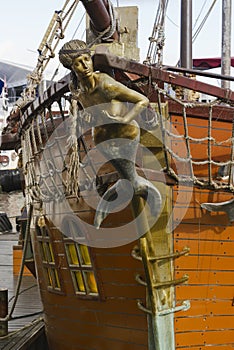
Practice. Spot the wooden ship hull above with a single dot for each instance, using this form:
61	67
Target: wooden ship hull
158	284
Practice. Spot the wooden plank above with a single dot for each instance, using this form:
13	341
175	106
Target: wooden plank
99	334
206	323
116	305
89	317
209	262
137	322
205	338
119	276
218	347
200	247
209	265
28	301
220	128
204	292
121	262
25	338
207	307
134	291
208	277
196	216
198	195
87	342
193	197
204	232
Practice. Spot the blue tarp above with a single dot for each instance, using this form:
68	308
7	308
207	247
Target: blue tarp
1	85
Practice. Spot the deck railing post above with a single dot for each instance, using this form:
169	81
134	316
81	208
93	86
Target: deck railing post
3	311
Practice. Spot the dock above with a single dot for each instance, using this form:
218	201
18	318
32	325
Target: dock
26	329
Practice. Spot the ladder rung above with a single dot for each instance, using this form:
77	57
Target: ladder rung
182	307
181	280
136	255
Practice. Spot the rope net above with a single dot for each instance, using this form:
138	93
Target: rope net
50	164
198	141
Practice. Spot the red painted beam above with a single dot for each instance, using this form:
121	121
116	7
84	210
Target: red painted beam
160	75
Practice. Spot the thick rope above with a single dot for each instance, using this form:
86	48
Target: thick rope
108	32
157	39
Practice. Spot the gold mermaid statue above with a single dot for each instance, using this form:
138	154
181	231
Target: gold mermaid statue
116	108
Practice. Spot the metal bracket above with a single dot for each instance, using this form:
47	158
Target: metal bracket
166	284
143	308
183	307
140	280
172	282
136	255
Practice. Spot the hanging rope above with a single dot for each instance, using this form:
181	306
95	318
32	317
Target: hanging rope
109	31
157	39
72	187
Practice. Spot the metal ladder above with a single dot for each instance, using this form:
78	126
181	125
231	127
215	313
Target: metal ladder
160	301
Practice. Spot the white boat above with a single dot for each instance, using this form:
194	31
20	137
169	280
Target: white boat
9	172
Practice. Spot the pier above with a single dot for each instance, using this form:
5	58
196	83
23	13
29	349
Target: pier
26	328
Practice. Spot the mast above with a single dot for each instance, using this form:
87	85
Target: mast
226	41
101	17
186	34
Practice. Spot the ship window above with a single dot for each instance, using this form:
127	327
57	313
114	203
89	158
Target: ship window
81	268
85	282
46	251
78	254
91	282
79	259
52	278
78	281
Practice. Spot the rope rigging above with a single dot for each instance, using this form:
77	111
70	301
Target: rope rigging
195	35
46	49
157	39
200	13
56	71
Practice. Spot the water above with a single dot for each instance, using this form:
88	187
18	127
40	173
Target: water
11	204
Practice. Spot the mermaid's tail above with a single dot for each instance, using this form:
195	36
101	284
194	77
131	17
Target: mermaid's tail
118	194
109	202
122	153
124	190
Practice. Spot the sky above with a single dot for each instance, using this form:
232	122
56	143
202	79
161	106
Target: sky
24	23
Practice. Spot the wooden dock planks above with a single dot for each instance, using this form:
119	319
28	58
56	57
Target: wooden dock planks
27	314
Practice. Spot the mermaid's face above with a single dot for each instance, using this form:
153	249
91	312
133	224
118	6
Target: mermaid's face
83	66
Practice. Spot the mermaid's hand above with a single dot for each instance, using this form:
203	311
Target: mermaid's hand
112	117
